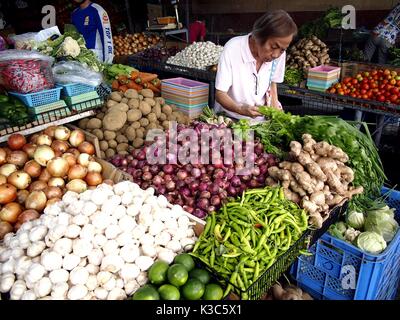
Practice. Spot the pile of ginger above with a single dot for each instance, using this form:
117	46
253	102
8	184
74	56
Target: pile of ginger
316	177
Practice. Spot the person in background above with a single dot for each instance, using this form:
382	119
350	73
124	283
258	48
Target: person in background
197	31
250	67
384	36
93	23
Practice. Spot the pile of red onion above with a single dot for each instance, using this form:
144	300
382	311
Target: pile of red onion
199	188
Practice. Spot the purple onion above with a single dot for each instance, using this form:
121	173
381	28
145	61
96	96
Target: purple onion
211	209
168	178
205	194
196	172
138	174
194	186
182	175
141	164
134	163
203	204
184	191
245	178
147	176
236	181
180	184
157	180
230	173
188	209
232	191
263	169
168	168
146	168
199	213
161	189
154	169
260	161
124	162
145	185
203	186
141	155
256	171
258	149
254	184
219	174
170	185
213	189
203	170
261	179
215	201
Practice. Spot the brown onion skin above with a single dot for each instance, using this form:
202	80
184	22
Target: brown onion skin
29	149
8	193
58	167
52	201
10	212
21	185
19	158
3	156
38	186
61	146
70	159
53	192
28	215
93	179
50	131
33	138
36	200
56	182
45	176
16	141
76	138
77	172
21	196
74	151
77	185
5	228
3	179
44	139
86	147
33	168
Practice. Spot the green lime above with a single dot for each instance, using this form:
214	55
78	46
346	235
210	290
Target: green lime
200	274
186	260
169	292
177	275
193	289
213	292
147	292
158	272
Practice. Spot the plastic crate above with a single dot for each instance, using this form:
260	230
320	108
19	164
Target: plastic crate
39	98
338	270
47	107
81	98
75	89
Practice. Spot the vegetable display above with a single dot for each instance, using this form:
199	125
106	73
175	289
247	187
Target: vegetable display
248	235
13	110
198	55
138	81
127	118
316	177
200	188
371	231
114	70
38	173
71	46
293	77
210	117
94	246
179	281
281	128
157	54
379	85
307	53
332	18
134	43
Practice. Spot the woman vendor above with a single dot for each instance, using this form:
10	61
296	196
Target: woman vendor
250	67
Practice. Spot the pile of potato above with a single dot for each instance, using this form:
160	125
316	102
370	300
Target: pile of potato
134	43
307	53
126	119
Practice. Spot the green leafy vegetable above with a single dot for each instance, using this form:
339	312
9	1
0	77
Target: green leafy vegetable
371	242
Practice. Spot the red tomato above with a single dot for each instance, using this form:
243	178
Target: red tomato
381	98
354	81
393	98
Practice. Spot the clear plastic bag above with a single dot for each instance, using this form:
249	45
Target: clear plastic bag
25	71
74	72
25	41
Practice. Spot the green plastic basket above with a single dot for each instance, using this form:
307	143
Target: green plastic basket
71	101
47	107
87	105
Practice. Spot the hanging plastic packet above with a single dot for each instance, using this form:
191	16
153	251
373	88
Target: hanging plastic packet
66	72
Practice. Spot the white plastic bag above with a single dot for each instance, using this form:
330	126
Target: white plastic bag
75	72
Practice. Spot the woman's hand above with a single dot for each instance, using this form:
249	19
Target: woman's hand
276	104
249	111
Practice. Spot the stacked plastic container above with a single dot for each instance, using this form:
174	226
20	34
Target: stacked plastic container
322	78
337	270
79	96
187	95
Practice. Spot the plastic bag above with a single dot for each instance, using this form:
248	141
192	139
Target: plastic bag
3	44
25	41
25	71
75	72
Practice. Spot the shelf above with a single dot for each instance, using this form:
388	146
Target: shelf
54	117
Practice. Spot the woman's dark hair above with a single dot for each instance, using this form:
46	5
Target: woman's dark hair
276	23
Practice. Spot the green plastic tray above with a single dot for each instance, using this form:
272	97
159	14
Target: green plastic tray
71	101
87	105
47	107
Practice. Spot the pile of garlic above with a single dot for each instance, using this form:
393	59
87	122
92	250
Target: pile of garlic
198	55
94	245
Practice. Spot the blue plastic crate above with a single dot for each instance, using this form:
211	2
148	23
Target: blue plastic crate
75	89
40	98
338	270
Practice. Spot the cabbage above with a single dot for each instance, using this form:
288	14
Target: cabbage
381	222
355	219
351	234
337	230
382	210
371	242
